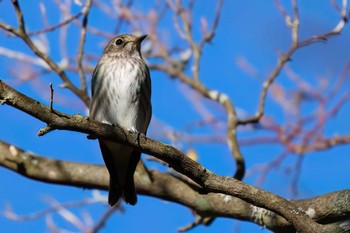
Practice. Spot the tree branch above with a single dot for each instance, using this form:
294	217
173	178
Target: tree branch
329	209
85	11
176	159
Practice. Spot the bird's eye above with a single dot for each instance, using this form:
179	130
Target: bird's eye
119	42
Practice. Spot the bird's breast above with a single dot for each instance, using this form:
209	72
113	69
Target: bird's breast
122	81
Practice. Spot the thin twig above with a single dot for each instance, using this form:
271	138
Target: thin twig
29	217
101	223
51	97
56	26
209	35
85	11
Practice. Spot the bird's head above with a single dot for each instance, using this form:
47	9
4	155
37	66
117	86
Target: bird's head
125	45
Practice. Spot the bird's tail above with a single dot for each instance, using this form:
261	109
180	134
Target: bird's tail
121	163
115	192
129	192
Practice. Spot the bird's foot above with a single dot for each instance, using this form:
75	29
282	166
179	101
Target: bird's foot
133	130
139	134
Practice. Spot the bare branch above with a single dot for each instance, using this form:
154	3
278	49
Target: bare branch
85	11
57	26
9	213
51	97
95	176
209	35
102	221
176	159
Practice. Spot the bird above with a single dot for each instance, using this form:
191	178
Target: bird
121	95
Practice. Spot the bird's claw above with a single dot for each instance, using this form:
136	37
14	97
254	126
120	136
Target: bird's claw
139	134
133	130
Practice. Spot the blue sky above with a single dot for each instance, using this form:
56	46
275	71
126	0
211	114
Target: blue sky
253	30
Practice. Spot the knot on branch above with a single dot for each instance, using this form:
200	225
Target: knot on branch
262	216
45	130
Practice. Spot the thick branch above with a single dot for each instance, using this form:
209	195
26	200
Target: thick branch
330	208
176	159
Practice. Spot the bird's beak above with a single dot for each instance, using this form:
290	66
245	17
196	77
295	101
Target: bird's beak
139	40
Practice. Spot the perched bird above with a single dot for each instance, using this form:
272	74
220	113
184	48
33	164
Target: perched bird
121	95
